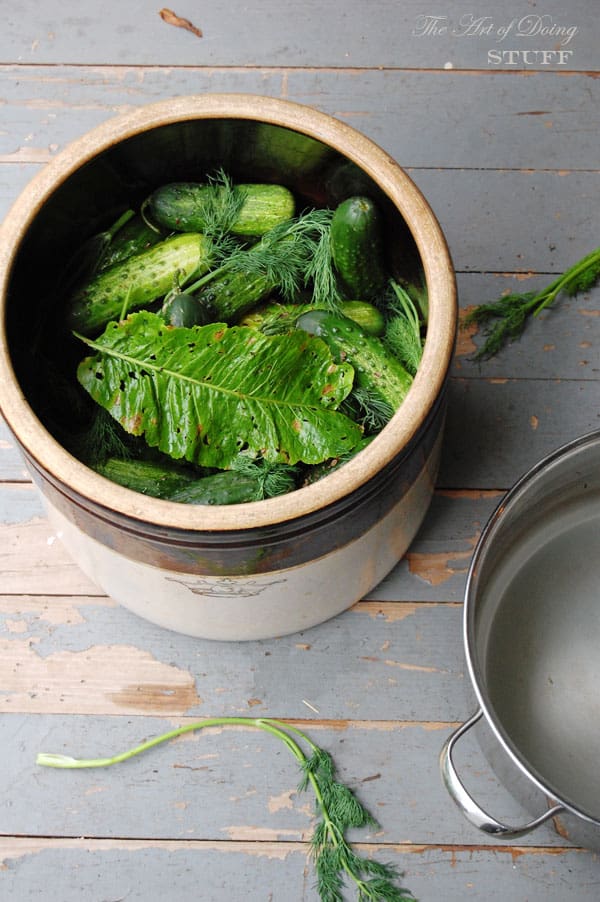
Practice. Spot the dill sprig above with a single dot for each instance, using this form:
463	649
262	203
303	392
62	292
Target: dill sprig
403	328
367	408
292	255
218	207
335	861
271	478
504	320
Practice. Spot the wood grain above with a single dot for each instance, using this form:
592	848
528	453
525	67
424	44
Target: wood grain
285	34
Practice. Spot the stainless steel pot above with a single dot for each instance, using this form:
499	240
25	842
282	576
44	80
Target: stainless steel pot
532	640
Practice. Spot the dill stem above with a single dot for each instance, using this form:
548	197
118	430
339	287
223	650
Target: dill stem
121	221
545	297
50	760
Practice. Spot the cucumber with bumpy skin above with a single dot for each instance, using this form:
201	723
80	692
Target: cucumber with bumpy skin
376	369
157	479
191	206
131	239
277	318
357	247
254	481
136	282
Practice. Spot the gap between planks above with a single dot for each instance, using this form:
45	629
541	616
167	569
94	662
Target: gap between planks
21	845
281	70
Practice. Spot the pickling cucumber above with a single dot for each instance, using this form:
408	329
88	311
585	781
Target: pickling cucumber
136	282
276	318
357	247
376	369
184	310
231	294
191	206
131	239
160	480
236	487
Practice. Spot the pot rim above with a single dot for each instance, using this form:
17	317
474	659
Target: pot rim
493	524
429	381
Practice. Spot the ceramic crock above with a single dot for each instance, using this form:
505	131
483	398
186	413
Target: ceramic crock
532	640
251	570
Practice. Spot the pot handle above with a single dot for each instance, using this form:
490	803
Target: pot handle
469	807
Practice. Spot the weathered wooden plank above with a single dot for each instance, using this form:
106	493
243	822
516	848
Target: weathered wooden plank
561	343
406	664
514	221
100	870
411	34
12	466
32	557
237	783
534	120
498	428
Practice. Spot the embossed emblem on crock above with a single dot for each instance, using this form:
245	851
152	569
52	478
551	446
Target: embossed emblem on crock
226	587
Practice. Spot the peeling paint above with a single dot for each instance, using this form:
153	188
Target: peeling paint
113	678
391	612
465	346
284	800
436	568
53	610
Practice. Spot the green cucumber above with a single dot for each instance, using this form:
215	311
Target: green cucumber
357	247
226	487
160	480
276	318
192	206
136	282
185	310
254	482
131	239
376	369
368	316
231	294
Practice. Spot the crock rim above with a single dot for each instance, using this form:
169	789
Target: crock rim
403	427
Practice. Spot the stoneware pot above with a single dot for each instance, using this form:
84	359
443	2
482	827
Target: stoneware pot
249	570
532	635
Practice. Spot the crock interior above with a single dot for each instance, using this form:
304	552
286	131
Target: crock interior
115	166
121	177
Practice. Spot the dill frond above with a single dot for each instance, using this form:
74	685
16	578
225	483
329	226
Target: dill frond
335	861
367	408
504	320
293	255
403	328
271	479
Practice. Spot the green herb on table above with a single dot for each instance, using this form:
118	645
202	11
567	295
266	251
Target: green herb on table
336	863
504	320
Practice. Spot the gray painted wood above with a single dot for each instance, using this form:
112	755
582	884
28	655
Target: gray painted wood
264	872
213	784
529	121
315	33
512	423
